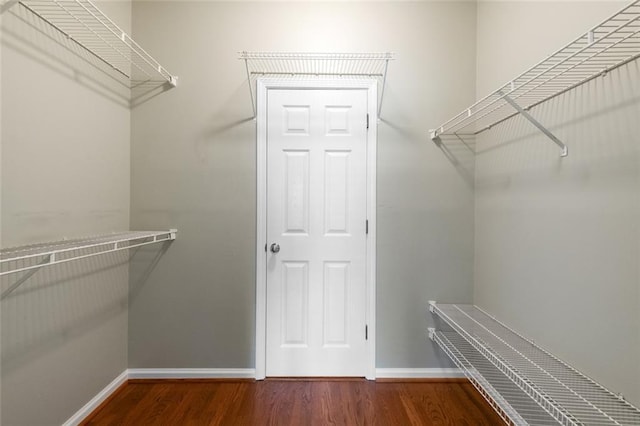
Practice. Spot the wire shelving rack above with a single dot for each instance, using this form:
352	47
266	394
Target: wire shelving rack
312	65
82	22
491	355
609	45
31	257
508	400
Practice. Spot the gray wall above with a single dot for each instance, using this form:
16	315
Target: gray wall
1	212
193	167
65	173
557	240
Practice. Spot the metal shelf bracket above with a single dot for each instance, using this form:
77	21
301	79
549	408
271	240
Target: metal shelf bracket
536	123
435	137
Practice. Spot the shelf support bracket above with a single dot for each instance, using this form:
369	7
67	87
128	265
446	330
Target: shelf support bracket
435	137
536	123
253	103
384	83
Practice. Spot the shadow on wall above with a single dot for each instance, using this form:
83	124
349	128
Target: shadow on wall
141	264
227	129
146	90
32	36
460	150
57	304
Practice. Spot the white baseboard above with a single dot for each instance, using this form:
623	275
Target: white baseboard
192	373
90	406
418	373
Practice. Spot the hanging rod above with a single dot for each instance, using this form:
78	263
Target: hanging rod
27	258
85	24
605	47
299	64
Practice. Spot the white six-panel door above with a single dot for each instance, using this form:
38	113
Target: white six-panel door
316	232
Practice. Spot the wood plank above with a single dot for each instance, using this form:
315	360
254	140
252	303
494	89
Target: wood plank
295	402
106	402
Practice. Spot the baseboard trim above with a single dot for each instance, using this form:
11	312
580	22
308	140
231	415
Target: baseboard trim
419	373
191	373
97	400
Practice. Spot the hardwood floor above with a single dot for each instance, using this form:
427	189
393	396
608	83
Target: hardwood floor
295	402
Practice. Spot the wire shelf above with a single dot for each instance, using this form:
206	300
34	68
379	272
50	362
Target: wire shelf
510	402
607	46
82	22
27	258
570	397
312	65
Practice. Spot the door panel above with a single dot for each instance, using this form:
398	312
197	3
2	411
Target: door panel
295	295
296	192
336	197
336	304
316	213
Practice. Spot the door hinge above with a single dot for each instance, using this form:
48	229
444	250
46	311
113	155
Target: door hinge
366	226
265	248
367	121
366	332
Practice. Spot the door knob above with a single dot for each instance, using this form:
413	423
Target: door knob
275	248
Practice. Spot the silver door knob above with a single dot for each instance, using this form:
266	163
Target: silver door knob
275	248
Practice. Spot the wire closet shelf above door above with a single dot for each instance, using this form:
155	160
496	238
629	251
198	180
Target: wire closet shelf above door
84	24
609	45
316	65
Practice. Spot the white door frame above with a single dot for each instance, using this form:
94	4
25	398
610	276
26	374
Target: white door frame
263	85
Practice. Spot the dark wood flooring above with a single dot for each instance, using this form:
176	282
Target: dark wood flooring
295	402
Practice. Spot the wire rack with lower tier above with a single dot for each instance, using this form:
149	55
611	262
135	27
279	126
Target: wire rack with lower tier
568	396
510	401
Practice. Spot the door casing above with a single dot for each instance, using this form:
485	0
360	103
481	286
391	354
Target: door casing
263	85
